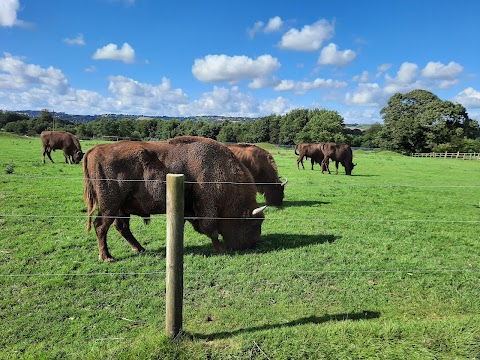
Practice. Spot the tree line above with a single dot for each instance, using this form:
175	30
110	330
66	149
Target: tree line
414	122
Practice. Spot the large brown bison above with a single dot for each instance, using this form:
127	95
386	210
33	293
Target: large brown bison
69	143
261	165
128	178
340	153
312	151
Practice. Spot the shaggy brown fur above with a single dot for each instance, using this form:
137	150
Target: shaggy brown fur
213	202
340	153
261	165
69	143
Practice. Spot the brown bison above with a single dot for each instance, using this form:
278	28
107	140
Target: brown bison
53	140
261	165
312	151
128	178
340	153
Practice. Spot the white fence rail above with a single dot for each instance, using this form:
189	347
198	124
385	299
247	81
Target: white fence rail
449	155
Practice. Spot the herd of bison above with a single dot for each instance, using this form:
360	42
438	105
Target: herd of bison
127	178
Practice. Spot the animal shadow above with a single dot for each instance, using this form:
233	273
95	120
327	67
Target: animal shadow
364	315
287	203
268	243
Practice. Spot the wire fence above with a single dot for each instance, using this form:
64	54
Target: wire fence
449	155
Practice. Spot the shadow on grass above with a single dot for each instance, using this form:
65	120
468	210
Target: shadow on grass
268	243
316	320
287	203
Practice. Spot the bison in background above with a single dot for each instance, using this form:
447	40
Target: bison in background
261	165
312	151
69	143
340	153
128	178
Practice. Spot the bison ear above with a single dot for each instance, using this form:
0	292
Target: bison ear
258	210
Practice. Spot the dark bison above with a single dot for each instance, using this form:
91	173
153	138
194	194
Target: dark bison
261	165
340	153
69	143
128	178
312	151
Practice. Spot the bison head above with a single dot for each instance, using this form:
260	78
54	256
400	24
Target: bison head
241	234
77	156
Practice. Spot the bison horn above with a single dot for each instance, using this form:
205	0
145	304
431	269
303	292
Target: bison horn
258	210
285	182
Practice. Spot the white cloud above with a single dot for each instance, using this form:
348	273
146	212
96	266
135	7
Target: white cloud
363	77
301	87
8	13
279	105
330	55
15	74
437	70
381	69
274	24
112	52
91	69
131	91
310	38
233	69
468	98
222	101
79	40
406	79
366	95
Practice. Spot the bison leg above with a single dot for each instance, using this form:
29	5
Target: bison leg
336	167
300	160
123	227
219	248
102	224
46	151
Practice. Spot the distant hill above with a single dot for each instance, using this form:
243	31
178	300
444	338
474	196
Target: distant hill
88	118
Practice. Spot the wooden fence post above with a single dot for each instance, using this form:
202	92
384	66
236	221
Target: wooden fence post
174	254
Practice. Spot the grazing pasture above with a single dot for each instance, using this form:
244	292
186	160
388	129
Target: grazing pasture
381	264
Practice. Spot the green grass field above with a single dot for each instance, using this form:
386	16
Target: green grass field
383	264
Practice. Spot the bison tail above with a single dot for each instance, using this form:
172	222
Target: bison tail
89	195
296	148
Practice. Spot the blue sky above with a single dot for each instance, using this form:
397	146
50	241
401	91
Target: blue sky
235	58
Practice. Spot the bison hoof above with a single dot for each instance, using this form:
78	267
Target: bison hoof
107	259
139	250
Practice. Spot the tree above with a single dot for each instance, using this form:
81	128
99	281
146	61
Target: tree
323	126
419	121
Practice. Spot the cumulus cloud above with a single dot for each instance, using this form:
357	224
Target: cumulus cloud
310	38
8	13
15	74
330	55
381	69
111	52
406	79
222	101
134	92
274	24
232	69
370	94
301	87
363	77
468	98
437	70
79	40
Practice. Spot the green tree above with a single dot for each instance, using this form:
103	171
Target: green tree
324	125
419	121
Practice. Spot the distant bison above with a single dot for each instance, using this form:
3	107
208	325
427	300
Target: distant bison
340	153
128	178
261	165
69	143
312	151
